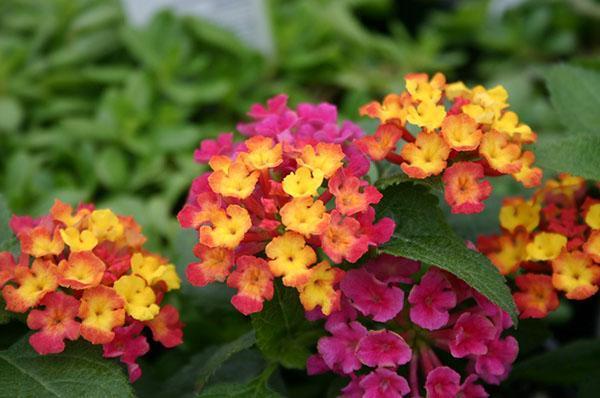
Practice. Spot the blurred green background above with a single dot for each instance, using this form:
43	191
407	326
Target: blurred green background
92	109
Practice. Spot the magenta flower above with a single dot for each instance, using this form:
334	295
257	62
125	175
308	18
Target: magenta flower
442	382
316	365
431	300
471	390
338	350
392	269
353	389
494	366
371	296
222	145
129	345
383	348
471	334
384	383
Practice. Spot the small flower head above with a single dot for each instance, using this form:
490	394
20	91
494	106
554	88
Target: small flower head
463	190
382	348
508	123
166	327
55	323
517	212
303	182
102	309
78	241
232	178
263	153
546	246
431	300
591	247
428	114
324	158
128	344
536	296
382	142
394	107
426	156
575	274
320	288
140	300
442	382
215	265
528	176
291	258
154	270
384	383
352	195
81	271
372	297
254	282
228	228
33	283
305	216
471	333
500	153
461	132
40	241
592	217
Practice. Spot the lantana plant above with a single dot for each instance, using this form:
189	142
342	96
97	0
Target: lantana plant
550	243
291	201
84	273
450	130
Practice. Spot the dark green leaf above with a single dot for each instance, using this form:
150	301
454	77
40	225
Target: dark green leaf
575	154
282	332
399	178
11	114
222	355
575	94
569	364
80	371
111	168
423	234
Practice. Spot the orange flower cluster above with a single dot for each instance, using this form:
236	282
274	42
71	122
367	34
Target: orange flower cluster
462	134
268	208
85	273
550	243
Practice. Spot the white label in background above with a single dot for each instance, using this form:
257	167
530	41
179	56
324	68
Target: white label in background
246	18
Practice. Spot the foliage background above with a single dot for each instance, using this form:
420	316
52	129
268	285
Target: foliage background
92	109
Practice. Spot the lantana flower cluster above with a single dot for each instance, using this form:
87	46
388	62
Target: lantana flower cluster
290	201
550	243
403	331
84	273
462	134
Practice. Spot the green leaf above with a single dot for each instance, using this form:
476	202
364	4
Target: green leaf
575	154
282	332
399	178
6	234
575	94
11	114
255	389
80	371
111	168
423	234
569	364
222	355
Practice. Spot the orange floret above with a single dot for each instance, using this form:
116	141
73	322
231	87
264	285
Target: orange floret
592	246
462	189
79	241
528	176
421	88
33	283
508	123
101	310
426	156
384	141
511	252
39	242
319	289
326	158
63	212
575	274
263	153
232	178
352	194
228	228
291	258
254	282
81	271
215	265
537	296
304	216
393	108
461	132
500	154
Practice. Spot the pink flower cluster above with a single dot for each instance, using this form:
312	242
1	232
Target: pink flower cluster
385	340
308	124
